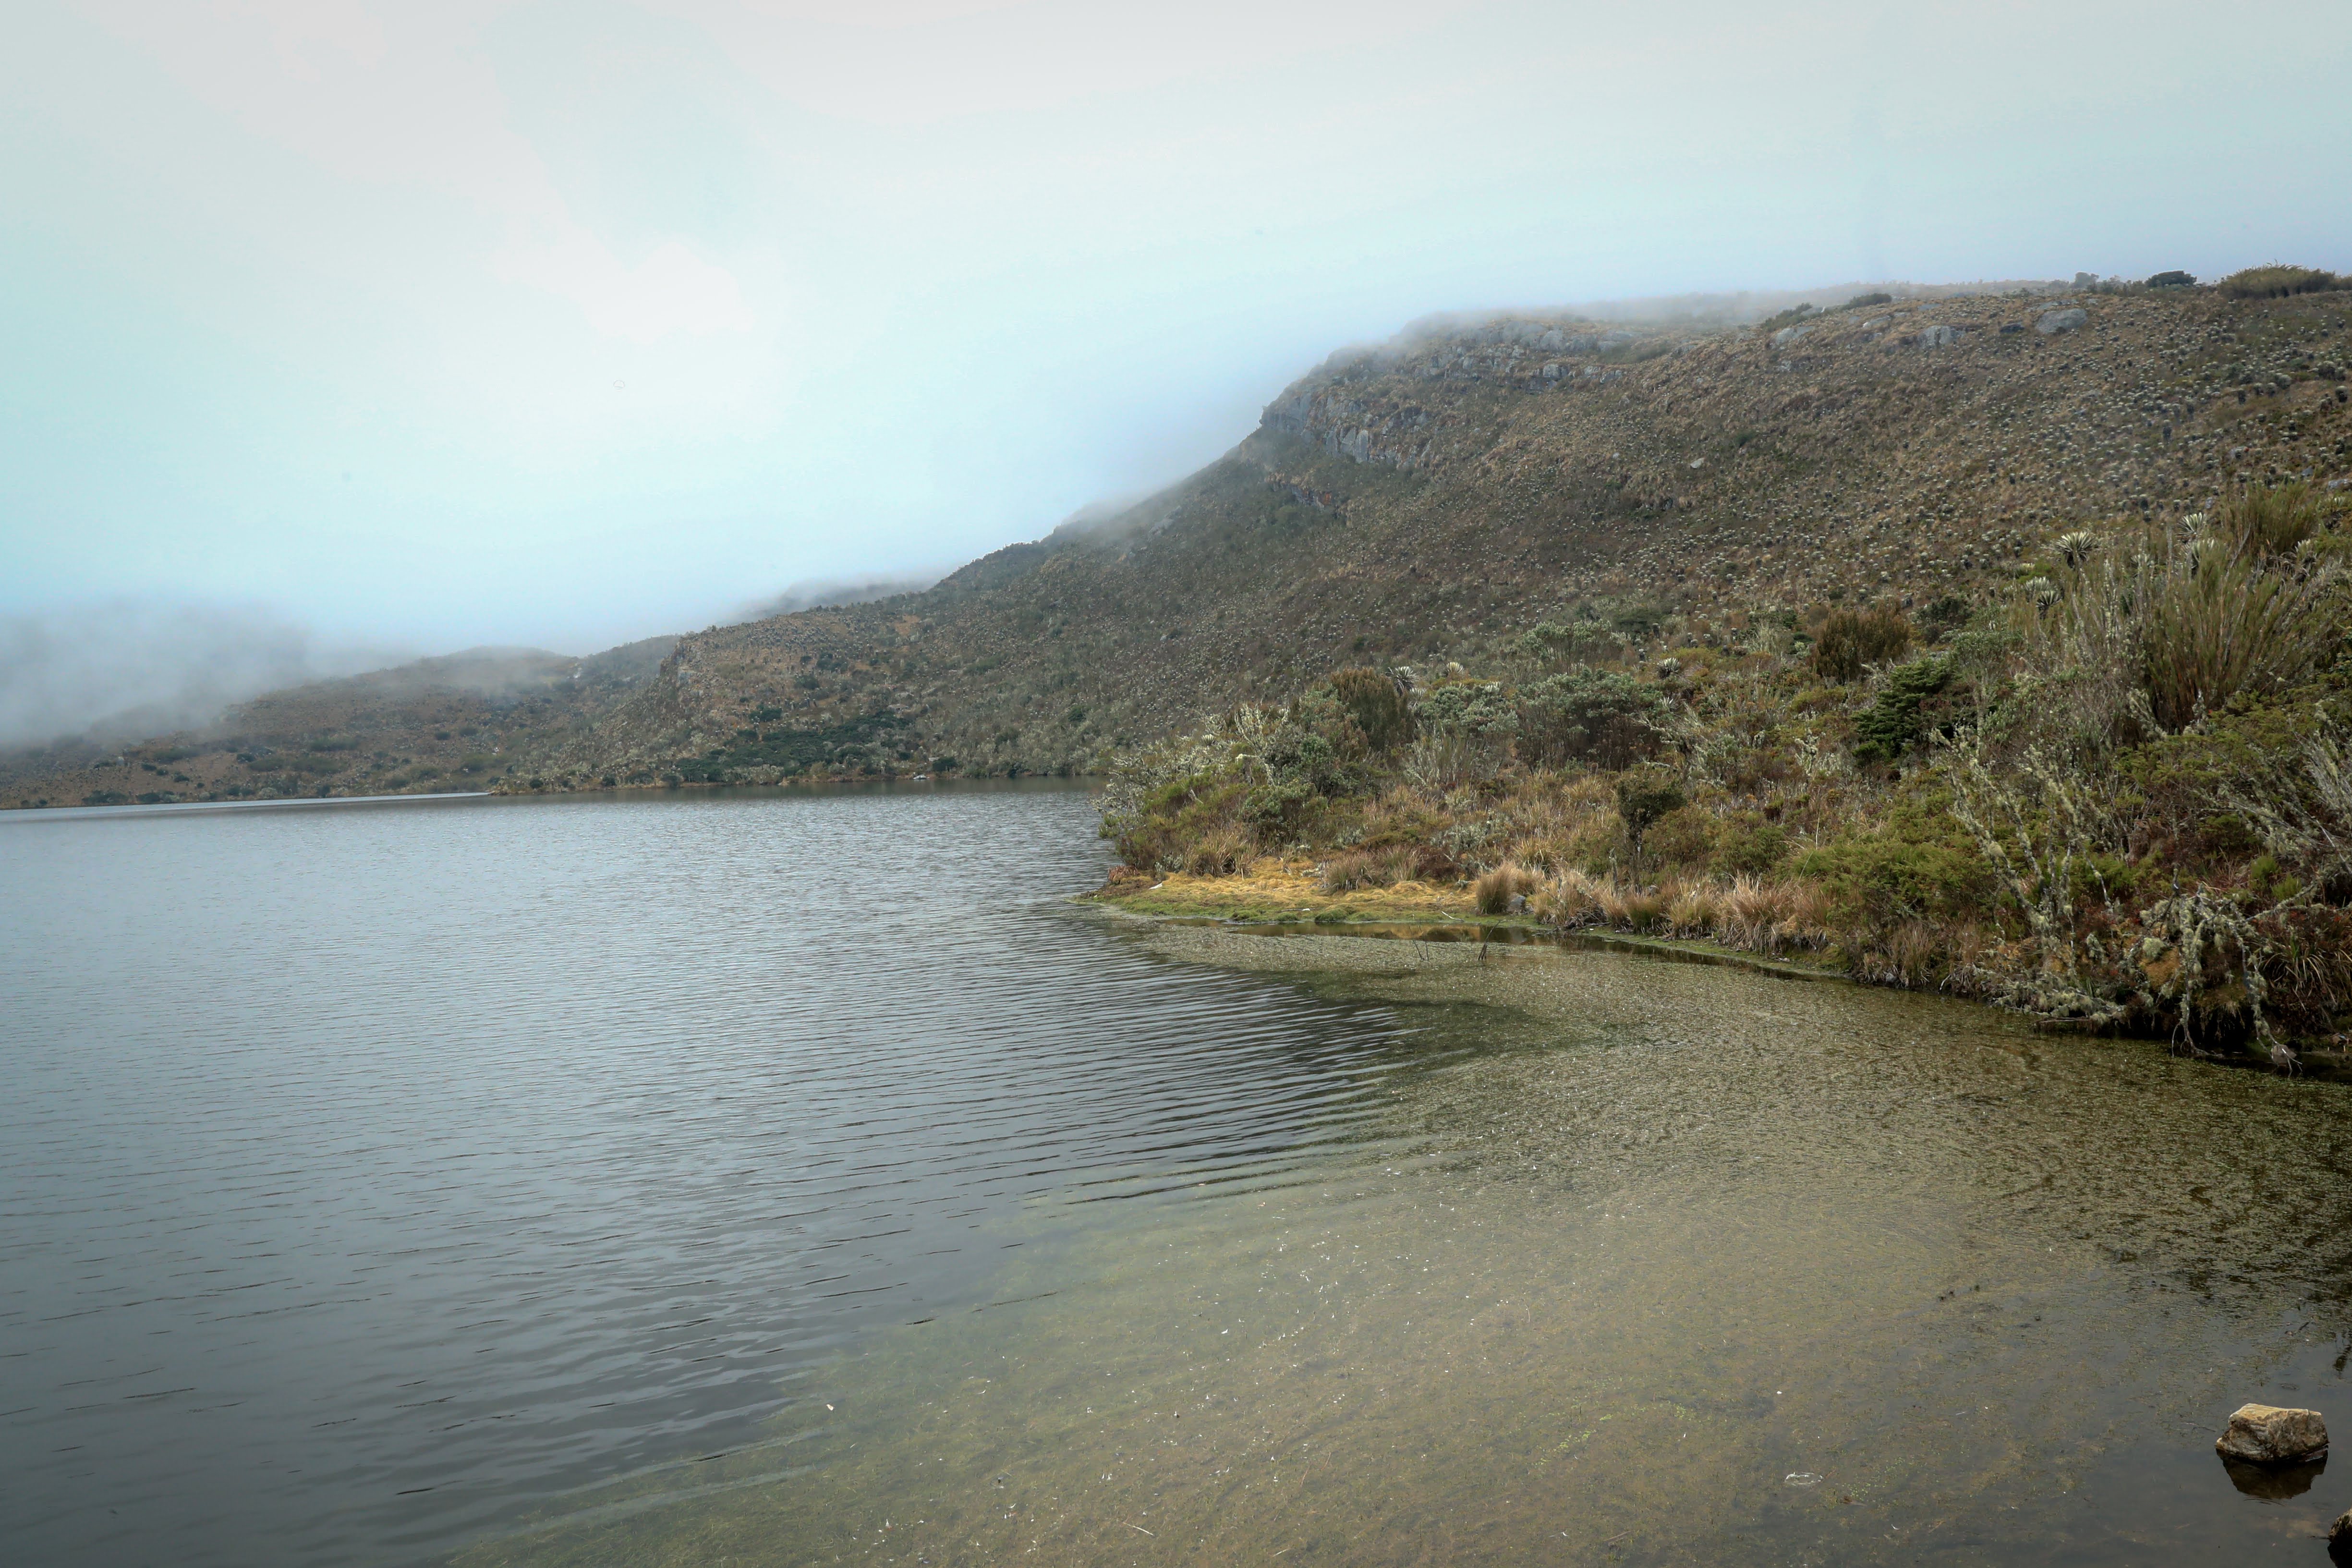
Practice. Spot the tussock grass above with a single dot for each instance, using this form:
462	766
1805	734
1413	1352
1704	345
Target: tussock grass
1492	891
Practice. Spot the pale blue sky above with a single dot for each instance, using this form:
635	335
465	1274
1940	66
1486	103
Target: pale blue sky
562	324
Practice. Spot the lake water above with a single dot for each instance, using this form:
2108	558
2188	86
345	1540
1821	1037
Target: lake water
800	1177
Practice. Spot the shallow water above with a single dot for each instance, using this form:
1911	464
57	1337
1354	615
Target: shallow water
798	1179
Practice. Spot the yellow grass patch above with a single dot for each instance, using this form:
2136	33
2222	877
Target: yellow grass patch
1274	889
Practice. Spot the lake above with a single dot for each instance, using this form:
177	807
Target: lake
800	1176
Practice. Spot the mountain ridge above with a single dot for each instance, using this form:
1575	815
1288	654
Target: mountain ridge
1428	498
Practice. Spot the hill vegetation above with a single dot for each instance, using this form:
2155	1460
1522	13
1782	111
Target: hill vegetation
1991	641
489	717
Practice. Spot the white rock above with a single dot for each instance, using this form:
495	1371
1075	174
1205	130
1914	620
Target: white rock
2055	321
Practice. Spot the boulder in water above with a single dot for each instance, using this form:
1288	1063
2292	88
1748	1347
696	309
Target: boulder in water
2268	1434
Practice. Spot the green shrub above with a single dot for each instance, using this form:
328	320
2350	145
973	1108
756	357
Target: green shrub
1851	639
1683	837
1892	725
1582	639
1747	844
1888	878
2173	279
1176	818
1377	704
1586	714
1644	796
1865	301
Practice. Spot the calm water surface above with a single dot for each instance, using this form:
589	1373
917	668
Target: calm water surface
800	1178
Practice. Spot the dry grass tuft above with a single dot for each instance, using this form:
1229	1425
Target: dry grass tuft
1493	890
1220	852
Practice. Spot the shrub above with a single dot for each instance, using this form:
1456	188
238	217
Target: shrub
1864	301
1892	725
1885	878
1377	705
1747	844
1851	640
2277	281
1643	797
2173	279
1683	837
1580	638
1601	716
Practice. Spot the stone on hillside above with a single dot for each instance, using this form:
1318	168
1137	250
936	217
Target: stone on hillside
2270	1435
1787	335
1937	337
2055	321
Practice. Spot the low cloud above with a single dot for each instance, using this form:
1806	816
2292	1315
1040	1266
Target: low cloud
123	670
816	593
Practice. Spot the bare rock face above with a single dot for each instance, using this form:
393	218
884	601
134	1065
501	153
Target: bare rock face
2267	1434
2053	321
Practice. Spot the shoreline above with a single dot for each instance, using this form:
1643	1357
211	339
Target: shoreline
1412	911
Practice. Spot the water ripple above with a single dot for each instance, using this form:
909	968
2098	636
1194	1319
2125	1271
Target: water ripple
371	1175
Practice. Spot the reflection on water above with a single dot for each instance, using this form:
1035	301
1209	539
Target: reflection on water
722	1179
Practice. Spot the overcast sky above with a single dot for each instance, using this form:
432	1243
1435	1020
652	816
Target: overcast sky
566	323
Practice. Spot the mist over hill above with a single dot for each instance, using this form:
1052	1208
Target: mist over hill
118	669
1428	498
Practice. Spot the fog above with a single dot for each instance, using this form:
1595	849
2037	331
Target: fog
819	592
121	669
433	325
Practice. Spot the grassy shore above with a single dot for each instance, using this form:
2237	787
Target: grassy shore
2116	793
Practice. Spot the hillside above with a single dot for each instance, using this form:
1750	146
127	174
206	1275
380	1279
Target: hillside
469	721
1429	498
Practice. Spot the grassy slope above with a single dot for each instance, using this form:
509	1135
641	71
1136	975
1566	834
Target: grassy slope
1435	497
1427	499
480	720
